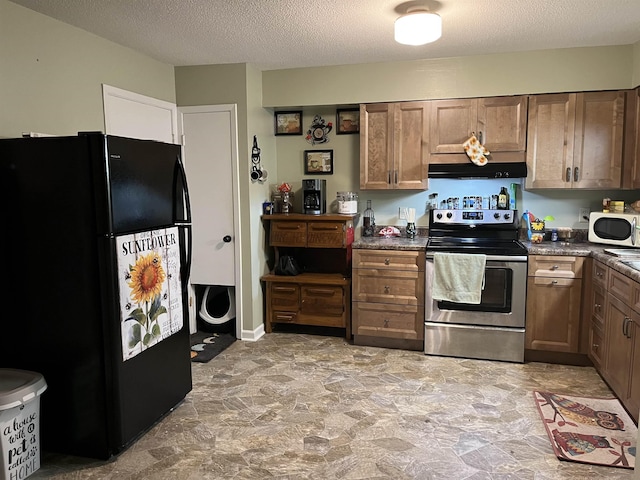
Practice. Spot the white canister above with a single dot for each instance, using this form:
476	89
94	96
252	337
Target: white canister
347	202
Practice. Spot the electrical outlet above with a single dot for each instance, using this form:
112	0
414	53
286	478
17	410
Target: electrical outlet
401	213
583	215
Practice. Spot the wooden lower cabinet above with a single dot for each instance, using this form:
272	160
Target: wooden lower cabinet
388	298
308	299
596	307
554	297
619	356
321	296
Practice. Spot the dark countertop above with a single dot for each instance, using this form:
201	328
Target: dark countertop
391	243
586	249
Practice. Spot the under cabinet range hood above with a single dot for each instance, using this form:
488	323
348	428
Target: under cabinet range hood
470	170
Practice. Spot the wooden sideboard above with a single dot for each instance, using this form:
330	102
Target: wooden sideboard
321	295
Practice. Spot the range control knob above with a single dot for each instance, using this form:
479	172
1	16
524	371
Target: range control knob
496	215
439	216
449	214
507	216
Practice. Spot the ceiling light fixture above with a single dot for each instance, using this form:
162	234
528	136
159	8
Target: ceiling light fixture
418	27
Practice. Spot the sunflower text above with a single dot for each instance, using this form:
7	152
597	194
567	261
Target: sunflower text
151	243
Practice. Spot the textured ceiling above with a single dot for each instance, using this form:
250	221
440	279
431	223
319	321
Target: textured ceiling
276	34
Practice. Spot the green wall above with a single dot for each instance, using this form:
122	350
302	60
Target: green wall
51	74
602	68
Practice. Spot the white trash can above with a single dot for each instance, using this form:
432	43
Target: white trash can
20	392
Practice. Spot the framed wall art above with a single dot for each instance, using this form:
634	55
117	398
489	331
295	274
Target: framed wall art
318	162
288	123
348	121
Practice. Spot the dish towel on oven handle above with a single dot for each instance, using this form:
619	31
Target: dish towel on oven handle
458	277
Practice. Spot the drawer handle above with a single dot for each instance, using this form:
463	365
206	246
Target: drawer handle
387	261
386	322
387	289
555	267
334	228
597	306
286	318
284	289
320	291
625	327
595	345
289	227
554	282
599	274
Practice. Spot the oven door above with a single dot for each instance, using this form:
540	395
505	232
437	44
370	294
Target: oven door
503	298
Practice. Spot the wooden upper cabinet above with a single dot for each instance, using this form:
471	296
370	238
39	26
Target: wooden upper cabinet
631	148
500	123
575	140
394	146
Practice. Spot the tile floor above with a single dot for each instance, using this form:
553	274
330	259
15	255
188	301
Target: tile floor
299	406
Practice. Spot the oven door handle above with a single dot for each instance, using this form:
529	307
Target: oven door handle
495	258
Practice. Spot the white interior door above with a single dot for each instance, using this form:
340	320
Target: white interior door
132	115
210	153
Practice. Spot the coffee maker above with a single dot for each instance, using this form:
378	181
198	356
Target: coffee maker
314	196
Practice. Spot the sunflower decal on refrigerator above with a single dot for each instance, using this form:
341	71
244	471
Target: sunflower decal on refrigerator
150	294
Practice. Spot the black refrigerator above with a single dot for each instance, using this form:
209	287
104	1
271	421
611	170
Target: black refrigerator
96	255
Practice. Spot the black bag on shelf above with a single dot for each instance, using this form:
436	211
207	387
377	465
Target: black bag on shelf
287	265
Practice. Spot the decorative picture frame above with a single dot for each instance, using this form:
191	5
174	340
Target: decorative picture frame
347	121
288	123
318	162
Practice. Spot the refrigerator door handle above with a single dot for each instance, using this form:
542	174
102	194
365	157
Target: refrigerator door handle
184	223
186	213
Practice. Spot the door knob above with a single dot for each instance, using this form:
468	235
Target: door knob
226	238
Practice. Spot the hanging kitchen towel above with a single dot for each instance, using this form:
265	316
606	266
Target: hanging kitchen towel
476	151
458	277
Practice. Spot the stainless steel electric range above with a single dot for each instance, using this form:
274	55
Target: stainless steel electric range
493	329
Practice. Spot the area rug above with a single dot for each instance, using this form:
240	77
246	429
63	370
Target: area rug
588	430
205	346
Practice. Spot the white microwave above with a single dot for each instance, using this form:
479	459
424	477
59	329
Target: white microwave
621	229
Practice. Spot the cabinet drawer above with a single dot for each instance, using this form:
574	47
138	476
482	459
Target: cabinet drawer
285	296
400	287
598	298
600	274
326	234
288	234
321	300
388	321
389	260
555	266
284	317
596	345
621	286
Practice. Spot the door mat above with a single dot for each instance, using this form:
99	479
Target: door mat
205	346
590	430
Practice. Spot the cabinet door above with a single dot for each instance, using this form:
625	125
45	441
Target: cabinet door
550	143
502	121
411	153
321	300
598	140
617	365
452	123
553	314
633	404
376	146
631	148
